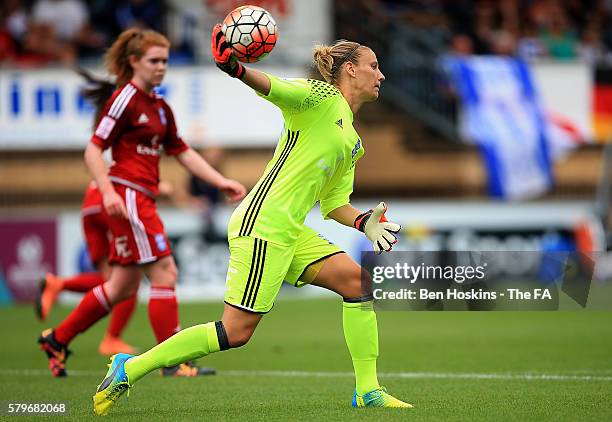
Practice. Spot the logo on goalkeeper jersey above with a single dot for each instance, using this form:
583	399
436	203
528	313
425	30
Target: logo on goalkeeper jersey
356	149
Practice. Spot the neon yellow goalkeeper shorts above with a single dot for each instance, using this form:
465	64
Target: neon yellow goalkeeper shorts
257	268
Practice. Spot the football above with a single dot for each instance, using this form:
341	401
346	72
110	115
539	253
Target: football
251	33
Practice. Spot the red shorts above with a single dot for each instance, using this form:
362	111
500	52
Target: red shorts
141	238
95	225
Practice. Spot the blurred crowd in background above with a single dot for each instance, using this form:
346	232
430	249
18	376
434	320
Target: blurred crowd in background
556	29
39	32
531	29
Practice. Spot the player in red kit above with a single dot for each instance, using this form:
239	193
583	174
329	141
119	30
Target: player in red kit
138	125
97	237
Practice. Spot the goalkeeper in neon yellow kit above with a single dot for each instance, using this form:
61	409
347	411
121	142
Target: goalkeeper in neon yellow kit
314	162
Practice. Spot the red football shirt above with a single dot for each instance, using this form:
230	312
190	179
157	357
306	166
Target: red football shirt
137	126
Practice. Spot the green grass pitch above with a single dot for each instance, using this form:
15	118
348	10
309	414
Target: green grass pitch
449	365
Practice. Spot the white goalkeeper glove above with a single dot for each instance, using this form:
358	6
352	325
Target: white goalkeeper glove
377	228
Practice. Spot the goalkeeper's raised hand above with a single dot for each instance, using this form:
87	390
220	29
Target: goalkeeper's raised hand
377	229
222	53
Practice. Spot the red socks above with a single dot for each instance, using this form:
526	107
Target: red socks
163	312
93	307
120	316
83	282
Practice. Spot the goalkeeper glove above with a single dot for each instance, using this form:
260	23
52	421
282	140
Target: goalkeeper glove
222	53
377	228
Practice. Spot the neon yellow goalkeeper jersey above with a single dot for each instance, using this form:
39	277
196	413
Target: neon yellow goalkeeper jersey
314	161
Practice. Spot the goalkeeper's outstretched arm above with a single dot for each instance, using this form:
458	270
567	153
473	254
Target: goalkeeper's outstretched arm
257	80
228	63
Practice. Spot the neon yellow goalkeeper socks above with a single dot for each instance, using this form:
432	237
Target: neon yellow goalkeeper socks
190	343
361	334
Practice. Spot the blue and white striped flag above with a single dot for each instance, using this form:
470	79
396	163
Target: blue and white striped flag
501	113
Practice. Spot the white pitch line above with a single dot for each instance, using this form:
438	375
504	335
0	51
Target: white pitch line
423	375
306	374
